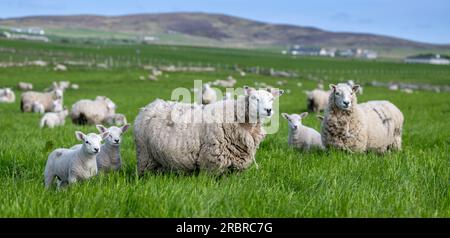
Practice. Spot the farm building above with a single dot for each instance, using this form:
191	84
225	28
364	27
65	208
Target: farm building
427	59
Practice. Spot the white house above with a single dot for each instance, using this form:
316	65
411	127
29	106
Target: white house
427	59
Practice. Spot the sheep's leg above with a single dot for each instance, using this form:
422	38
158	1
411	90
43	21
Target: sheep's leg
72	179
145	160
397	145
49	180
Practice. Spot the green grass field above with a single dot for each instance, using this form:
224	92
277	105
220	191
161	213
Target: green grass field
412	183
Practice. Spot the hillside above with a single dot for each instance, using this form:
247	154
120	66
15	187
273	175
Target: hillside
207	29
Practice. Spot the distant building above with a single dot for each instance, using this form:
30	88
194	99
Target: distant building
309	51
427	59
24	36
30	30
147	38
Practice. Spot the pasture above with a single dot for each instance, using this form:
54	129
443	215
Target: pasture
414	182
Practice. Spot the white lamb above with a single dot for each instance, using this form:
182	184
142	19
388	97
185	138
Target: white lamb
52	119
347	125
108	159
7	96
38	107
92	111
57	105
300	136
223	140
72	165
208	94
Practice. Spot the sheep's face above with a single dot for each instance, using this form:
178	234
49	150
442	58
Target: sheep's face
57	106
344	95
294	120
111	106
7	92
114	137
58	94
91	141
261	101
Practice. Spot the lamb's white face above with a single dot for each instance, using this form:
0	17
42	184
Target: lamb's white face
7	91
114	137
57	106
110	104
343	95
261	101
91	141
294	120
58	94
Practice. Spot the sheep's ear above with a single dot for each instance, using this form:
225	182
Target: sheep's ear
101	128
285	115
276	92
248	90
355	88
104	135
333	87
320	117
303	115
125	128
55	84
80	136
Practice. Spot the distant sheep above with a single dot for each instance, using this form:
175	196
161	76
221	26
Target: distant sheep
72	165
53	119
60	67
38	107
347	125
92	111
167	139
24	86
46	99
7	96
317	100
116	120
300	136
208	95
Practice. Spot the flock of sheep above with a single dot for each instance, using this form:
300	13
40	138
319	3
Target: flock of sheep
169	137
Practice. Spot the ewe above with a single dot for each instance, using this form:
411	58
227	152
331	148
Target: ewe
72	165
218	137
92	111
374	125
24	86
300	136
317	100
46	99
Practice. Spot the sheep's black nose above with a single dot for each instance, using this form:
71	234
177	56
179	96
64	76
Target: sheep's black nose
117	141
346	103
268	110
96	150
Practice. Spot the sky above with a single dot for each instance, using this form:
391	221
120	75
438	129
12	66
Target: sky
419	20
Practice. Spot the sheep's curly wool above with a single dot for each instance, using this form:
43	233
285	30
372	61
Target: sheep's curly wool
162	143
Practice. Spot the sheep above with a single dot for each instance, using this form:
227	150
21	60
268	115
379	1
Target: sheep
347	125
46	99
407	90
52	119
208	94
225	139
74	86
317	100
72	165
7	96
38	107
24	86
108	159
92	111
60	67
116	119
300	136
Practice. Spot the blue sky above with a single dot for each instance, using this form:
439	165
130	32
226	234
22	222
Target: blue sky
420	20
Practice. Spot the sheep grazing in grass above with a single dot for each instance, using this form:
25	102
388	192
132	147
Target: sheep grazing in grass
374	125
7	96
208	94
300	136
38	107
317	100
74	86
116	119
72	165
53	119
24	86
168	135
92	111
108	159
46	99
60	67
